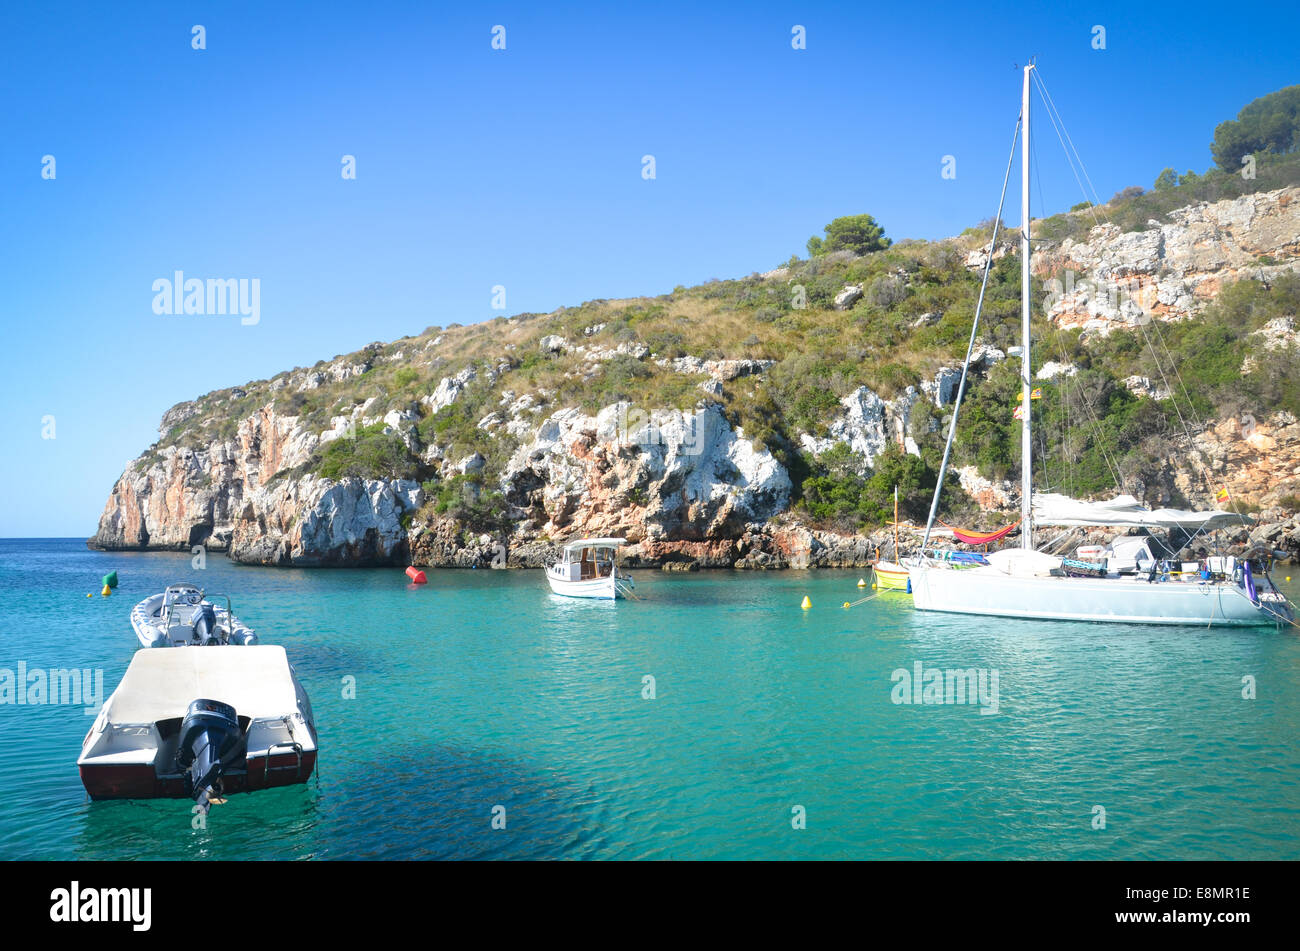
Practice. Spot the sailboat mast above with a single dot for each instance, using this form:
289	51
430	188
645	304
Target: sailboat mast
895	523
1026	440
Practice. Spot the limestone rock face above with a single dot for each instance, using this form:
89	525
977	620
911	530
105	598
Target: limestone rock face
868	425
720	370
1257	461
989	494
661	476
180	497
1172	270
224	497
846	298
449	389
1142	386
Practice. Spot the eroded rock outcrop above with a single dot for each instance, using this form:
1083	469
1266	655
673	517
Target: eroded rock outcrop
1257	461
662	476
226	497
1174	268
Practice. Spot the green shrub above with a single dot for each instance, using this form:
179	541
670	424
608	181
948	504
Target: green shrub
844	498
464	498
369	454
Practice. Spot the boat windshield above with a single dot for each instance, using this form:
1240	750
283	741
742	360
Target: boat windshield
597	562
182	594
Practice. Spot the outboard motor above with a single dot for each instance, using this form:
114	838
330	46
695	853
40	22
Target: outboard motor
209	736
204	621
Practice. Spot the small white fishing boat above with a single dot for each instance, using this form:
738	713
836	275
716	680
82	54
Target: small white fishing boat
588	569
182	617
199	724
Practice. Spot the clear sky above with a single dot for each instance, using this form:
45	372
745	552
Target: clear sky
519	167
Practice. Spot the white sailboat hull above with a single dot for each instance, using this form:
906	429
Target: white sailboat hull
988	591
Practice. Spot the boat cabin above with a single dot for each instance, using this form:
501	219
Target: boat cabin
1129	553
587	559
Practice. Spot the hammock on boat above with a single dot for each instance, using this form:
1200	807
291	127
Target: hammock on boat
981	538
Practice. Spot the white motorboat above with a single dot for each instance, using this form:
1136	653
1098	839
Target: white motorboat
588	569
1125	582
201	723
182	617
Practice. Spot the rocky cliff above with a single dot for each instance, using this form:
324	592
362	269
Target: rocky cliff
483	445
1171	270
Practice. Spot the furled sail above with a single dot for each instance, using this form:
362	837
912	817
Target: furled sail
1125	510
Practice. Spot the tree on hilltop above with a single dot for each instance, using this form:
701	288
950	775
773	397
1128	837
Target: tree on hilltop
857	233
1268	124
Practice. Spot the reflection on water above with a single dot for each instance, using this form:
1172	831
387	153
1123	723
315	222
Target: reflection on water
481	689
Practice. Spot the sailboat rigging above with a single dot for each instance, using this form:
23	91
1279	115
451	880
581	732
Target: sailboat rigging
1130	580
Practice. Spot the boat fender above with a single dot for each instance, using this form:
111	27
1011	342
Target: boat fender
1249	581
909	585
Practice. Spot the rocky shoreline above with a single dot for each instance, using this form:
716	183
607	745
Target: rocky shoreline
499	458
761	547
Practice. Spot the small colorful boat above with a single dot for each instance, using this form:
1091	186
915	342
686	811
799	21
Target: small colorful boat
890	575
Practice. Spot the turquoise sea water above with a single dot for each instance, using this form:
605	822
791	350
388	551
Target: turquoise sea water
482	689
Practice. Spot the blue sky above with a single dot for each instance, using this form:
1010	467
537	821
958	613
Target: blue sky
519	167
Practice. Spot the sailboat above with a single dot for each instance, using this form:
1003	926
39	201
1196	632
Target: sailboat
891	575
1129	580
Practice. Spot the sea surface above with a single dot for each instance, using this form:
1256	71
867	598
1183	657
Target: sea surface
772	732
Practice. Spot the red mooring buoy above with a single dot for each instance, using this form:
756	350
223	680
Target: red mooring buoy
416	575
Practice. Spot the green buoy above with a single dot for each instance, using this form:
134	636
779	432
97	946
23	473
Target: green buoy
110	580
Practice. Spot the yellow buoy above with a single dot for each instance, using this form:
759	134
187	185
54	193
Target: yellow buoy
807	603
873	587
107	591
1288	577
862	582
90	594
846	604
